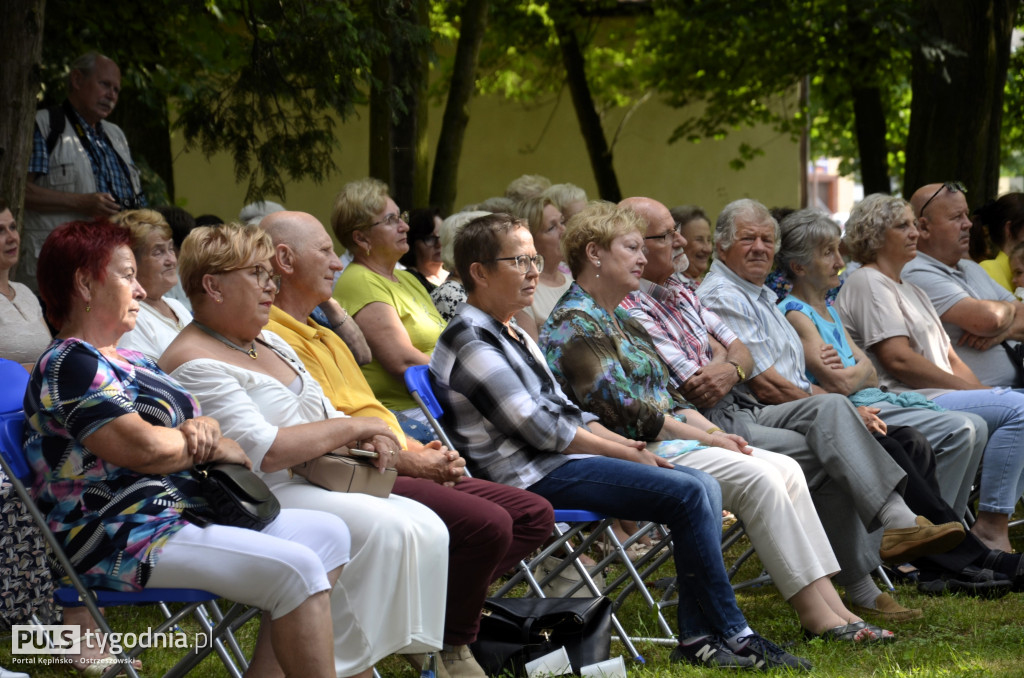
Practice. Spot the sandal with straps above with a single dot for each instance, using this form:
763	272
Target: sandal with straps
854	632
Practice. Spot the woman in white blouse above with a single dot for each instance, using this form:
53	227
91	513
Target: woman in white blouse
160	317
256	387
24	335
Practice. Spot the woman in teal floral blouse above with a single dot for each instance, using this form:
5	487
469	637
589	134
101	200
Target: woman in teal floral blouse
607	364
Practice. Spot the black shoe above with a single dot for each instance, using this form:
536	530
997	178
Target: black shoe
711	652
1009	565
971	581
767	655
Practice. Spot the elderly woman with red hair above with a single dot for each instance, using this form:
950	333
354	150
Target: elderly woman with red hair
110	440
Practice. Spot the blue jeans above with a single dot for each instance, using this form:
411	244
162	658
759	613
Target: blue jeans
1002	465
688	501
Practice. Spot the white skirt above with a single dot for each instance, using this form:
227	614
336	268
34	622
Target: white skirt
391	595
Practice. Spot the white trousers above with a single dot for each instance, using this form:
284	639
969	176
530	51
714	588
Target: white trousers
768	492
275	570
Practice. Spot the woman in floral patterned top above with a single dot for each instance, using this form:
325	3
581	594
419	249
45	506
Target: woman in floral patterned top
110	439
606	363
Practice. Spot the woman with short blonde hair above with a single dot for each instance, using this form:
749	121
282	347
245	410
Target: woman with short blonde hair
253	382
391	307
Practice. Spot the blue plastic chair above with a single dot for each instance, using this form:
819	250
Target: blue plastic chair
217	627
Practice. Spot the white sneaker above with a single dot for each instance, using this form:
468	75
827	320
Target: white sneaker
460	663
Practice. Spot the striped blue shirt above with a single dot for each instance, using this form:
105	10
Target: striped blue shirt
107	168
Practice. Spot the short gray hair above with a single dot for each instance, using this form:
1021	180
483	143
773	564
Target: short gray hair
527	186
684	214
725	226
563	194
84	64
869	219
803	232
450	229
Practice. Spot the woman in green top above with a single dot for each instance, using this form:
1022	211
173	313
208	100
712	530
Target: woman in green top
391	307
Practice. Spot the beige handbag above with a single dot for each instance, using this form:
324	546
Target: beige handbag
339	472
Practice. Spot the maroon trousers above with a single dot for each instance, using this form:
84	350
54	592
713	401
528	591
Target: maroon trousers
491	527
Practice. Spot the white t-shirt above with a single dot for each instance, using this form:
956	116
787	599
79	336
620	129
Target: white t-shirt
154	331
544	299
23	333
874	307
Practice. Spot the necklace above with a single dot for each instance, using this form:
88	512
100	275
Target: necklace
9	293
251	351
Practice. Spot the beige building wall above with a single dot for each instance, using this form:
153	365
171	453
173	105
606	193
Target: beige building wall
505	140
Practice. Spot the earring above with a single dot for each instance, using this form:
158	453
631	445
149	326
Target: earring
598	264
88	308
367	250
220	300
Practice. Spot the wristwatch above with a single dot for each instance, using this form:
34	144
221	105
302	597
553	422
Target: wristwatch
739	371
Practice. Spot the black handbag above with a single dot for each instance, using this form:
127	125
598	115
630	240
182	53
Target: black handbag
235	496
1016	355
514	631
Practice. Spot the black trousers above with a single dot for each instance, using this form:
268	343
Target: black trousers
911	450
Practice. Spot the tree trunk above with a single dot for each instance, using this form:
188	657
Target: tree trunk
869	125
957	110
21	34
862	75
443	183
149	133
409	62
380	102
586	114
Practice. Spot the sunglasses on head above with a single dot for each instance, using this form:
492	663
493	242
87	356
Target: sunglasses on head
953	186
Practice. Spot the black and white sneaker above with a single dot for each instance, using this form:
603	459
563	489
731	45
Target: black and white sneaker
766	655
711	652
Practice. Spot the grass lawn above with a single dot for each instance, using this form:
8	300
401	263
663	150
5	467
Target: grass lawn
957	637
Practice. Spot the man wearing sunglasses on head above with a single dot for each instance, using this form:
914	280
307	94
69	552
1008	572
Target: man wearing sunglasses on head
983	320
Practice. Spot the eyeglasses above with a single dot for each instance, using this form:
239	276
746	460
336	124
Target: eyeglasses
667	234
392	219
523	262
263	276
431	241
953	186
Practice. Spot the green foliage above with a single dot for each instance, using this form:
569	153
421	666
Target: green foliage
269	90
1013	114
743	59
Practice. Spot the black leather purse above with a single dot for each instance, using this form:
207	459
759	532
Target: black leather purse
1016	355
514	631
235	496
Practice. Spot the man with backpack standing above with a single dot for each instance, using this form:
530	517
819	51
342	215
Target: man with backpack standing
81	166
